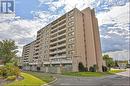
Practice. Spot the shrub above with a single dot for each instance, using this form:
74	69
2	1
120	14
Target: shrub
12	70
86	69
104	68
81	67
11	78
3	72
91	69
9	70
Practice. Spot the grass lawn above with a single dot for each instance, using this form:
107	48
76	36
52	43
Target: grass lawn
85	74
113	71
93	74
28	80
43	76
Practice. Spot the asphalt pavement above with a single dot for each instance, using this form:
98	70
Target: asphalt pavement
121	79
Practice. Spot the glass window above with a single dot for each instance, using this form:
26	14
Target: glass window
71	18
71	52
71	46
70	23
71	13
71	34
71	39
71	28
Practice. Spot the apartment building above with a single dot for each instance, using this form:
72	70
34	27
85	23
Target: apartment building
65	42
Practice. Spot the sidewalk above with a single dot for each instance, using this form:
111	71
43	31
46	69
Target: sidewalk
126	73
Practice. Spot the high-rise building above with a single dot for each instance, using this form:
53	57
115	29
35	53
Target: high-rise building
69	40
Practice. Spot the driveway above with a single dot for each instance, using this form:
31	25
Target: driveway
112	80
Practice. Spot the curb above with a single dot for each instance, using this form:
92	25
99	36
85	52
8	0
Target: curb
47	84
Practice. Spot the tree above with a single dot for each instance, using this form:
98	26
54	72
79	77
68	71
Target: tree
109	61
116	64
7	50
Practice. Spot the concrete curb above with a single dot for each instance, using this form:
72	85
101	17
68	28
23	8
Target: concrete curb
47	84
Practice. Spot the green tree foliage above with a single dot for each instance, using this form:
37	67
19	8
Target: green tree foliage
109	61
8	50
116	64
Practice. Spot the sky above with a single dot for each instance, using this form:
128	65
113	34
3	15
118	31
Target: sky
32	15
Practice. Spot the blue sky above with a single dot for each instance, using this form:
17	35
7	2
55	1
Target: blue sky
23	8
32	15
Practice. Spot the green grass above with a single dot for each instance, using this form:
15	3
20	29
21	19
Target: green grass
92	74
85	74
43	76
113	71
28	80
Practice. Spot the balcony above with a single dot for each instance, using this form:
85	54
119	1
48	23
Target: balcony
61	32
62	46
53	36
53	40
61	51
53	52
53	45
62	62
62	42
61	19
58	57
54	31
58	25
63	39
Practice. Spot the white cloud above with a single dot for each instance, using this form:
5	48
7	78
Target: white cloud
68	4
117	14
119	55
19	29
114	28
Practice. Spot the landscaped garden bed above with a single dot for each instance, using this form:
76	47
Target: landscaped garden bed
9	73
28	80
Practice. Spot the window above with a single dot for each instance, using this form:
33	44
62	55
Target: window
71	18
71	34
45	51
71	46
71	52
71	13
45	56
71	39
46	46
70	23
